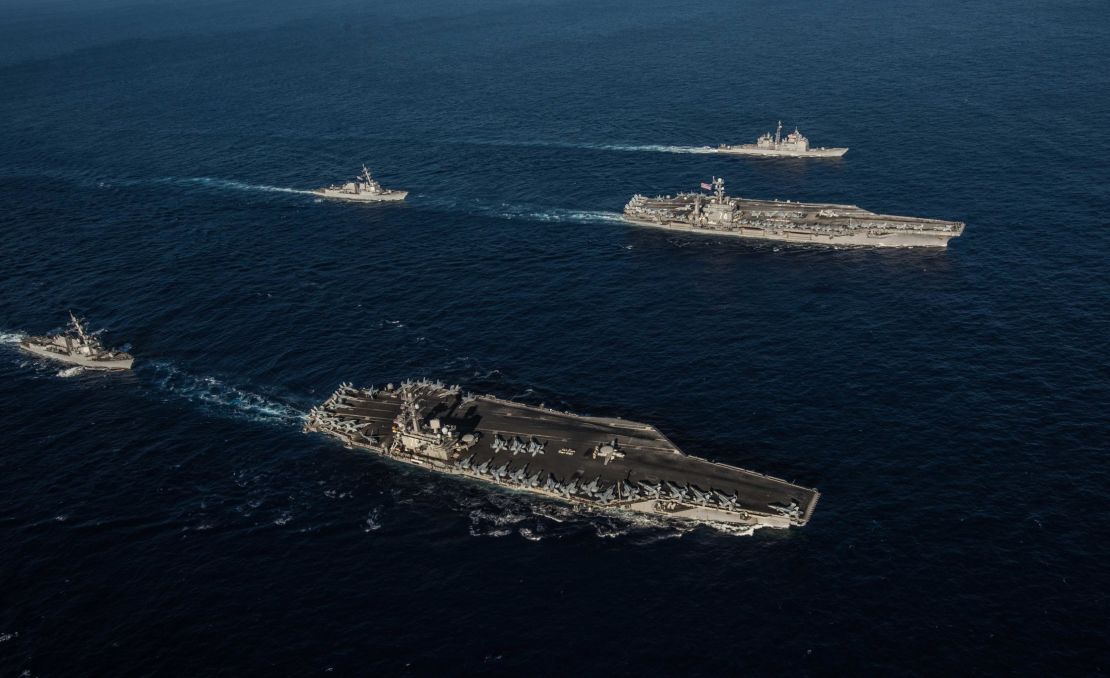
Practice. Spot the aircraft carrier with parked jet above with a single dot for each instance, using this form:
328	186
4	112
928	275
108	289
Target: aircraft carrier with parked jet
826	223
595	462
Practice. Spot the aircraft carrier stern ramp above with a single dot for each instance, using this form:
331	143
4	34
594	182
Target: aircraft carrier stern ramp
601	463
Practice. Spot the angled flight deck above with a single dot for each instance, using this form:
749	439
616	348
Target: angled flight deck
599	462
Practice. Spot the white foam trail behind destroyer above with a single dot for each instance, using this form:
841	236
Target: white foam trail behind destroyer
229	184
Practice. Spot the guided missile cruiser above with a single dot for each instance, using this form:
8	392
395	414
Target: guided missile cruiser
827	223
600	463
77	346
793	145
363	189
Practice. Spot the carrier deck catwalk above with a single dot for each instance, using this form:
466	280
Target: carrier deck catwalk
602	463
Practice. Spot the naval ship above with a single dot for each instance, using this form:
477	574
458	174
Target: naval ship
598	463
825	223
364	189
77	347
793	145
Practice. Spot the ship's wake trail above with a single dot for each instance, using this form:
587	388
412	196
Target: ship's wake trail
217	396
554	214
650	148
591	146
231	185
522	212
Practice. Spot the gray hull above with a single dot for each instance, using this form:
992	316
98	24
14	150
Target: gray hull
868	239
387	196
569	467
787	221
772	153
88	362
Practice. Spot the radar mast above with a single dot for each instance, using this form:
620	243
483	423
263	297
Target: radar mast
719	190
79	328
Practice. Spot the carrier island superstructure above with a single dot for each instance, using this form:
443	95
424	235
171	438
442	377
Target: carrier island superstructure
599	463
827	223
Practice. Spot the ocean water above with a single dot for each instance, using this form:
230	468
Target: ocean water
952	406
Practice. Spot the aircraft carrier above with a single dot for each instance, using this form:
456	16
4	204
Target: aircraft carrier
826	223
598	463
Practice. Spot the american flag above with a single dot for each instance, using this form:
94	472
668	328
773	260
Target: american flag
706	186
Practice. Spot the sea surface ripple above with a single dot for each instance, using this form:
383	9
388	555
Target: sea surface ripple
156	176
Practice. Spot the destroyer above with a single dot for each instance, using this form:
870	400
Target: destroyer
785	220
794	145
77	347
599	463
364	189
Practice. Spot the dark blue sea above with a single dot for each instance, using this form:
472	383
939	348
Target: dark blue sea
953	406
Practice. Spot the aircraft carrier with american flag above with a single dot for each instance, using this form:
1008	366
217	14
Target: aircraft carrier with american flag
597	463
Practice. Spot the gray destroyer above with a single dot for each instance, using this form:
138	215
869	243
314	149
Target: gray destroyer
363	189
793	145
77	347
597	463
826	223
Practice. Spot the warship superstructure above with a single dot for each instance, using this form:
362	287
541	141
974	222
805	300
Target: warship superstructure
793	145
364	188
77	346
596	462
827	223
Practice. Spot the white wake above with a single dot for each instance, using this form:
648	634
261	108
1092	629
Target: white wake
218	396
230	184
